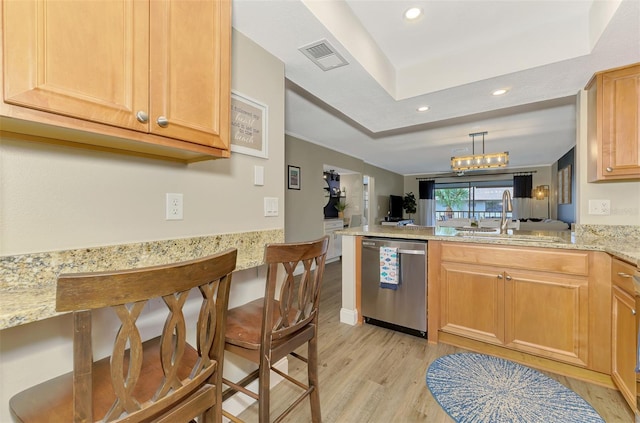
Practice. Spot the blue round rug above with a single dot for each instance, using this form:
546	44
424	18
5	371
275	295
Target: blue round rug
480	388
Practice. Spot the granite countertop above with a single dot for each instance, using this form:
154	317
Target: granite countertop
28	281
620	241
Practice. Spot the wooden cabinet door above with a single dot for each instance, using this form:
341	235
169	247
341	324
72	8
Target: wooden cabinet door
84	59
620	123
624	338
189	79
472	302
547	314
613	125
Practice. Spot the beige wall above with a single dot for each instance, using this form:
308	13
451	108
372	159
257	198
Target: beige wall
385	183
624	196
304	207
54	197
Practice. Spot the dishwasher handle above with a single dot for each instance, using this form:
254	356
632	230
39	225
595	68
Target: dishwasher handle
412	252
373	245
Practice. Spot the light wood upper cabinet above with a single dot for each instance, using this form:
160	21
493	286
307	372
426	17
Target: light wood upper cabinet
614	124
151	77
190	67
82	59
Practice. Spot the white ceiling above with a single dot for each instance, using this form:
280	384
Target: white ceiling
451	59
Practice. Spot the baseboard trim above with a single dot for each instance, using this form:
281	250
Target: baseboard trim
348	316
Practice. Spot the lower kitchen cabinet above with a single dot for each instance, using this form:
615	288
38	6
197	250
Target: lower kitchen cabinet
546	314
624	332
472	302
532	300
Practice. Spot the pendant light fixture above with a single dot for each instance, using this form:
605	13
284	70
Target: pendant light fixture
479	161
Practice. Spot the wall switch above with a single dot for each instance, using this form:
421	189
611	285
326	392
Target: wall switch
258	175
600	207
270	206
174	204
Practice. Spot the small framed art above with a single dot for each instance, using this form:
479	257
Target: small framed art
293	177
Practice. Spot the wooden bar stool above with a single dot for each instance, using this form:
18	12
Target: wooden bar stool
160	380
268	329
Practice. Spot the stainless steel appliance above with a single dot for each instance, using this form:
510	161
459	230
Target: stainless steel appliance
406	307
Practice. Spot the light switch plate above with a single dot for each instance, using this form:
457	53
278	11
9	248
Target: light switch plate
258	175
270	206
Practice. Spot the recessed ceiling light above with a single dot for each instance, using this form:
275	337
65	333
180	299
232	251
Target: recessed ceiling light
499	92
422	108
413	13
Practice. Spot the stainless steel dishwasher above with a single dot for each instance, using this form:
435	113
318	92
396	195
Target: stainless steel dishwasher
404	308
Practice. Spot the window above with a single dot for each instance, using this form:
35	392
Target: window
477	199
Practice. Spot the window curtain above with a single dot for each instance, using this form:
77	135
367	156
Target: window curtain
427	203
522	189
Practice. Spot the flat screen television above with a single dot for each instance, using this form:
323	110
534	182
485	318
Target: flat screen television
395	206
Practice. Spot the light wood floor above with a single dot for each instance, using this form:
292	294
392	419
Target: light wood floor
371	374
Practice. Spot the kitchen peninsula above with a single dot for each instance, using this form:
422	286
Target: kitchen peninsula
541	298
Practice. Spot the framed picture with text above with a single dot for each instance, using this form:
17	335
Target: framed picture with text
248	126
293	178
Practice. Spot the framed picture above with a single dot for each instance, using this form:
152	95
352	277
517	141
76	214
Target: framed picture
564	185
293	177
248	126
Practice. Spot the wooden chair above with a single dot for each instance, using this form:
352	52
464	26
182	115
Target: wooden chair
160	380
268	329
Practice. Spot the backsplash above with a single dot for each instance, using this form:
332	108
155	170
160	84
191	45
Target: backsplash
610	231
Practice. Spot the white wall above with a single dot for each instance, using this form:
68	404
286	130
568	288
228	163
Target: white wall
54	197
624	196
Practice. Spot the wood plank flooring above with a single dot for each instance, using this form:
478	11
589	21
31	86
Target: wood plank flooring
371	374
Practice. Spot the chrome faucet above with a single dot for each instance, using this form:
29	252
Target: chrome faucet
506	206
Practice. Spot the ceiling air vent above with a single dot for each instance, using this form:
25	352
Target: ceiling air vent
324	55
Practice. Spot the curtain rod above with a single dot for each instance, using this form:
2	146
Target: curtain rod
453	175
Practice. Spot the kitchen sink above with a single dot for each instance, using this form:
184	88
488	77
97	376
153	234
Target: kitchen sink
475	229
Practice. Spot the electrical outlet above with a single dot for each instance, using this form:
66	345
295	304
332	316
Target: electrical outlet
174	206
600	207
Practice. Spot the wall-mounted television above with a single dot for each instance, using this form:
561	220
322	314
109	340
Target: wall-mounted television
395	206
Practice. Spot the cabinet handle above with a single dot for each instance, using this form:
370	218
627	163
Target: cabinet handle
609	169
508	278
623	275
163	122
142	117
633	311
499	276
